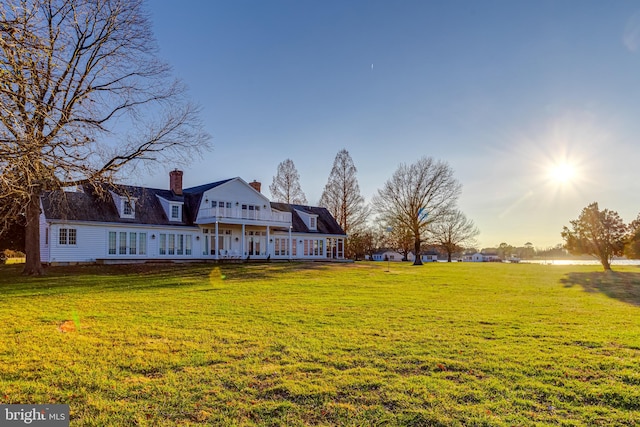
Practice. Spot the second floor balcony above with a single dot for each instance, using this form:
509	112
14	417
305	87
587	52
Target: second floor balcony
244	212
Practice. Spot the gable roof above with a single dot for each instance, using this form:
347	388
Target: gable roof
205	187
326	224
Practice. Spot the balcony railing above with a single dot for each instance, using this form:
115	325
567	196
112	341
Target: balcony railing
249	214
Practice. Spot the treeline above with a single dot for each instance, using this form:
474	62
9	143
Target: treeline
415	210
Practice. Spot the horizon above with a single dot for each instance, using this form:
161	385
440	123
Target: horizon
531	104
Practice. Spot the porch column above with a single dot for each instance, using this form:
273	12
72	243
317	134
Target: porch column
216	243
268	246
242	244
290	243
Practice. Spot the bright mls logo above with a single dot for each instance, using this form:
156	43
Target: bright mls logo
34	415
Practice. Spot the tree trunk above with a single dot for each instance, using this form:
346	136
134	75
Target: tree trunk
448	256
605	264
416	251
33	265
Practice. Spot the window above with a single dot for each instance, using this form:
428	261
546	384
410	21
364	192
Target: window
176	244
180	246
46	236
123	243
142	249
112	243
127	209
187	244
67	236
172	244
175	212
163	244
313	223
133	240
312	247
126	243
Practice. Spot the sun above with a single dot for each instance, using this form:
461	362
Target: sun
562	173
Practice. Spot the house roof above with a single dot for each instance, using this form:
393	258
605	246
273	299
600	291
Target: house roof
94	206
385	251
326	224
90	205
205	187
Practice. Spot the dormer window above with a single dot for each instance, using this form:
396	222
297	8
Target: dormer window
127	208
175	213
309	219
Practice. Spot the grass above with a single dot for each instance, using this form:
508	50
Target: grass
311	344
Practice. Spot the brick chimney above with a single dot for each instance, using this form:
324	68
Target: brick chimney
256	185
175	182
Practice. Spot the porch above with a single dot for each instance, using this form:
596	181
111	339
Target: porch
231	241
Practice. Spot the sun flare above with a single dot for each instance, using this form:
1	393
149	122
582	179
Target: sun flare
562	173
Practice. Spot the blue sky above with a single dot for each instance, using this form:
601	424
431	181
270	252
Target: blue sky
501	90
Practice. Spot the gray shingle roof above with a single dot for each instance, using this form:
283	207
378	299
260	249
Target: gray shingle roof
326	223
89	205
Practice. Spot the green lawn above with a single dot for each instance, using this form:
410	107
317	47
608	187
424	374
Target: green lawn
315	344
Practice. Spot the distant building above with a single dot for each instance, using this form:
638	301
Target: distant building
481	257
387	255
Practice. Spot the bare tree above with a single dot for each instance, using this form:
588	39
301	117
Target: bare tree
82	95
286	185
453	231
341	196
417	195
601	234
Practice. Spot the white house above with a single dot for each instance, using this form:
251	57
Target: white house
391	255
429	256
229	219
387	255
480	257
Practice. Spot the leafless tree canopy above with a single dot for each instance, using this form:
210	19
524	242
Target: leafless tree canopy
417	195
286	185
452	231
341	195
82	94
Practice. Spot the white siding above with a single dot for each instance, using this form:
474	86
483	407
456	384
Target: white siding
92	242
235	191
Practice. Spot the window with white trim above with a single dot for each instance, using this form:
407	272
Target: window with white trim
67	236
127	208
313	247
175	244
175	213
126	243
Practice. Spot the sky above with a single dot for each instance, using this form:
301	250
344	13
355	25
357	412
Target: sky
500	90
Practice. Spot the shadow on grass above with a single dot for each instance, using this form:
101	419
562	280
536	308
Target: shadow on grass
74	279
105	278
623	286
